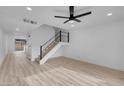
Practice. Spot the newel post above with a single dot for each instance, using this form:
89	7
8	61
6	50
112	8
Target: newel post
68	37
40	52
60	36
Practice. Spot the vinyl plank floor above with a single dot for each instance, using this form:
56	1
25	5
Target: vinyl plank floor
16	70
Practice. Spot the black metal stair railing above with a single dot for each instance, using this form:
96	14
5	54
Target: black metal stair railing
61	36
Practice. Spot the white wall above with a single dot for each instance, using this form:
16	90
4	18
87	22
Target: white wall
11	43
38	37
59	52
20	37
3	45
102	45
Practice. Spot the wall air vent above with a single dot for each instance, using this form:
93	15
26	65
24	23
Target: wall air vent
29	21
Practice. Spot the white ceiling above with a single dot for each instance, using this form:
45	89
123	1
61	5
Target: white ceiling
11	17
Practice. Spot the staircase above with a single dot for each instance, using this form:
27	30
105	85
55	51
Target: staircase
52	45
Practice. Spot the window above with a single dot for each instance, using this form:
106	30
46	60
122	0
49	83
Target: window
20	44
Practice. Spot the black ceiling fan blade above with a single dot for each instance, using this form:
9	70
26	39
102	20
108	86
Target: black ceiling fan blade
77	20
84	14
66	21
61	17
71	10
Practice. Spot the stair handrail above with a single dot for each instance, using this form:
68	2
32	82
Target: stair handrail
54	37
50	39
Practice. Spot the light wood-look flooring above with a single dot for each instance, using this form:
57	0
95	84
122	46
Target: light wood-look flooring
17	70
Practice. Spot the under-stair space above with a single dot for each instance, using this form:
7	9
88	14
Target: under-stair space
52	45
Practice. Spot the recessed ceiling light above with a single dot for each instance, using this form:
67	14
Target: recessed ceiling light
29	8
71	21
17	29
109	14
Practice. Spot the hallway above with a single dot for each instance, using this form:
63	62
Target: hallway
17	70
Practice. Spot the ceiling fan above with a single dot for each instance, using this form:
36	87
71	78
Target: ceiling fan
72	16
